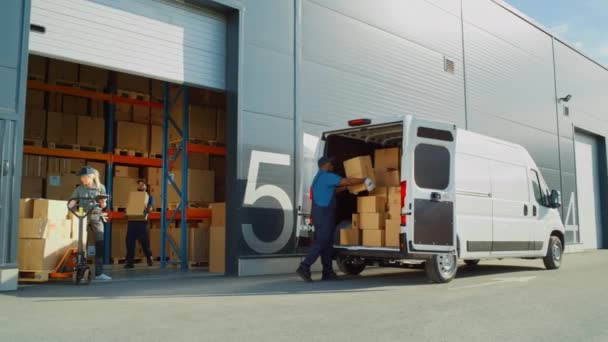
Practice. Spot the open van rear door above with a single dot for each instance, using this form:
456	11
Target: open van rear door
430	189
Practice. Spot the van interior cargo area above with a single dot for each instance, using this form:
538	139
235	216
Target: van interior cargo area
349	143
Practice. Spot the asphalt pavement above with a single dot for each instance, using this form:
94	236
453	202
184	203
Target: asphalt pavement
507	300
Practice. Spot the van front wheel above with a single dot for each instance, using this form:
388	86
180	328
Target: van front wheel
351	266
553	259
441	268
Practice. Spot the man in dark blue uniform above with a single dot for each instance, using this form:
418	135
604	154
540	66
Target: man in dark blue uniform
138	230
324	188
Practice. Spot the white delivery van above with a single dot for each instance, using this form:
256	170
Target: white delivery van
463	196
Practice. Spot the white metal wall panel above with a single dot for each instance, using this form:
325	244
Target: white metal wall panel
160	39
357	62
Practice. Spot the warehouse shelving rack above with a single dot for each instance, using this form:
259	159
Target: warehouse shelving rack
170	154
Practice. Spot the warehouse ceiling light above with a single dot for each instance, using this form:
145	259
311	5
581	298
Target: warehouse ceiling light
566	98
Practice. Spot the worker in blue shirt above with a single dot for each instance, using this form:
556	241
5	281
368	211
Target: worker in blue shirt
138	230
324	188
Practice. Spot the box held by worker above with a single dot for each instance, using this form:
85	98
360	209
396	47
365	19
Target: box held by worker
359	167
137	204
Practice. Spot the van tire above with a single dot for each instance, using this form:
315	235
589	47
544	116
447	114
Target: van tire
441	268
351	266
472	262
553	259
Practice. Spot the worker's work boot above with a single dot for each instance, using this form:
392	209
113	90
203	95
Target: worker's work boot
331	276
150	261
103	277
129	265
304	273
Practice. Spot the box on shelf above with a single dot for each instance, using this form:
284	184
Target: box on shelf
100	167
156	139
132	83
350	237
388	178
94	77
97	109
359	167
32	187
202	123
373	238
64	165
157	89
217	247
126	171
62	71
373	221
218	214
26	208
122	187
61	186
141	114
221	125
42	254
156	116
35	124
196	161
34	166
371	204
386	159
61	128
42	228
50	209
35	100
36	67
392	231
91	131
123	112
131	136
75	105
201	186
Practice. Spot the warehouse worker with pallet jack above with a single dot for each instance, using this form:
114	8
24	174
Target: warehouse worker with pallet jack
92	188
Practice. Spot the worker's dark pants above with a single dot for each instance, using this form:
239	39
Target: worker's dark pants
95	227
137	231
324	220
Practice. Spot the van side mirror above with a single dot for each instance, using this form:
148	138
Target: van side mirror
555	199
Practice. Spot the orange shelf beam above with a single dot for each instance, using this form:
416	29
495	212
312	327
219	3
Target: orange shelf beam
64	153
136	161
194	148
37	85
191	214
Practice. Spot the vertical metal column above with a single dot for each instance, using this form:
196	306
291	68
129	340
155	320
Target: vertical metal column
110	109
184	194
165	175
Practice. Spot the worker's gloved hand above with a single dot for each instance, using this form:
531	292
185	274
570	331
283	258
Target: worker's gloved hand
370	184
104	217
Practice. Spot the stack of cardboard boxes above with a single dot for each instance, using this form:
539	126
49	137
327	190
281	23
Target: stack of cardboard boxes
46	231
377	222
217	238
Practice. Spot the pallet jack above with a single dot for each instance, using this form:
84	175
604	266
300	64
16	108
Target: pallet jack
74	264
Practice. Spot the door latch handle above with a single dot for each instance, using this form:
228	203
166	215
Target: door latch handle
525	210
435	197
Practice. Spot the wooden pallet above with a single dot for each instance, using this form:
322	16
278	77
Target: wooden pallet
155	155
75	147
32	142
119	209
34	276
191	205
130	153
133	95
73	84
34	77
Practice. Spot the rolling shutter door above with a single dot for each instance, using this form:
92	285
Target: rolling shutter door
165	40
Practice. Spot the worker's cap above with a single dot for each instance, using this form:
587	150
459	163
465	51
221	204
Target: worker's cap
87	170
325	160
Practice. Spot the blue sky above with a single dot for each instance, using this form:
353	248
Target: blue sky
582	23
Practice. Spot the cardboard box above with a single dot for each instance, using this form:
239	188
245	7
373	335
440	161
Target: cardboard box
355	223
157	115
40	228
350	237
202	121
393	196
217	247
373	221
75	105
123	112
42	254
34	166
155	239
157	89
218	165
59	70
61	187
50	209
379	191
390	178
61	128
119	238
122	187
37	67
153	175
138	201
35	100
35	124
196	161
387	159
132	136
132	83
218	214
94	77
393	212
198	244
201	186
55	102
26	208
97	109
373	238
101	167
141	114
64	165
359	167
156	139
91	131
32	187
392	231
126	171
221	125
371	204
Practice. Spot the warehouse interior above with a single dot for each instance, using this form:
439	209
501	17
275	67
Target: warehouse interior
79	115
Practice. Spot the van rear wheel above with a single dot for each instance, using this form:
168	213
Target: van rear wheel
351	266
553	259
441	268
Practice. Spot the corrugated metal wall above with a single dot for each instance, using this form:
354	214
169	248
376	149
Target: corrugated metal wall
155	38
